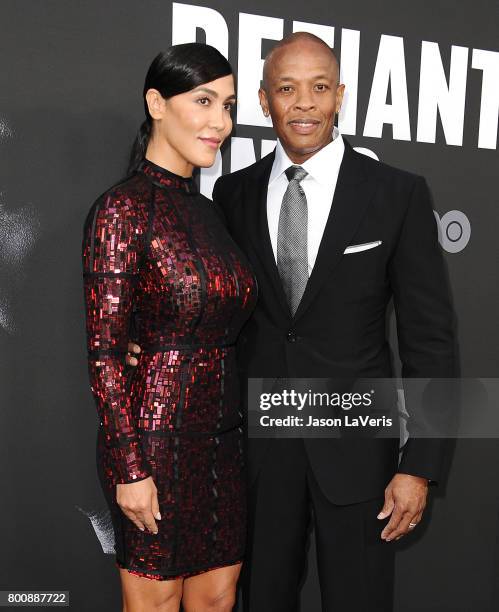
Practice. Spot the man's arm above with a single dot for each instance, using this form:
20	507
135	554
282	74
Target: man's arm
427	347
425	321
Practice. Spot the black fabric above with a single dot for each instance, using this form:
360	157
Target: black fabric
355	565
339	329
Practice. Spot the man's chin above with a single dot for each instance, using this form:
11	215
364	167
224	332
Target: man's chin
303	146
303	149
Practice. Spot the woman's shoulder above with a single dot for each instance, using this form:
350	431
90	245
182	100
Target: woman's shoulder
115	226
127	193
127	199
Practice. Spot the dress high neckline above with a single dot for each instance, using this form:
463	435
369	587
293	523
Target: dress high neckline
165	178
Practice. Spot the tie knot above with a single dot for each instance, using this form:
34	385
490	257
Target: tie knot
296	173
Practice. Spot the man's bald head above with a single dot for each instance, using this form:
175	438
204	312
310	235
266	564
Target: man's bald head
302	94
292	43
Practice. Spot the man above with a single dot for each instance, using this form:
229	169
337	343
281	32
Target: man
321	313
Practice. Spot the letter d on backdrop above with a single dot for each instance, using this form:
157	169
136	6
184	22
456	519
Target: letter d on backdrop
187	17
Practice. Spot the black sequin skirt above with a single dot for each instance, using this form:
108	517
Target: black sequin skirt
202	501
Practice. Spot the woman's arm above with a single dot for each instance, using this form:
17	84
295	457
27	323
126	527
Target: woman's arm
112	244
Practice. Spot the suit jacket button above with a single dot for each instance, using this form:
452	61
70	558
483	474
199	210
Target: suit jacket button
291	336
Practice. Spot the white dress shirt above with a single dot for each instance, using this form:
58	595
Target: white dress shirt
319	186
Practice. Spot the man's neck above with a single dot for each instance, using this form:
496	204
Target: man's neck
300	158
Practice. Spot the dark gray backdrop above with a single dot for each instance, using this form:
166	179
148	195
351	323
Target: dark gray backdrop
71	76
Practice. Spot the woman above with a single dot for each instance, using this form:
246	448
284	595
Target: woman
160	267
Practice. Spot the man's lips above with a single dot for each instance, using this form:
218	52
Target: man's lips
214	143
304	125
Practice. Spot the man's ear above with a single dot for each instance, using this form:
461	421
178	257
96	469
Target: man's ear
340	90
263	101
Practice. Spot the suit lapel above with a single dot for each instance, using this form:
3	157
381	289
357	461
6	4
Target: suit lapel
351	198
258	227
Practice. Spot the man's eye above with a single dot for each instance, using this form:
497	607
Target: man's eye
285	88
321	86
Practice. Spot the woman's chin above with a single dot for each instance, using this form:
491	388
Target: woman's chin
206	161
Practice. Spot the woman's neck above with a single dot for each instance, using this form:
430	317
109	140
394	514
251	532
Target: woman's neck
166	157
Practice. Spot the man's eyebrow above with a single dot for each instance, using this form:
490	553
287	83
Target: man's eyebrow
213	93
315	77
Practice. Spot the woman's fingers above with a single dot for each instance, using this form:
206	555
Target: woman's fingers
139	503
131	360
132	348
132	516
155	507
143	519
146	517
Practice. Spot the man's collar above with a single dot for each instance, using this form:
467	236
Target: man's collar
318	166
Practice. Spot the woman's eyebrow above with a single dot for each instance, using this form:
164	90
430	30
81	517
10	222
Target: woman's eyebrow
213	93
207	90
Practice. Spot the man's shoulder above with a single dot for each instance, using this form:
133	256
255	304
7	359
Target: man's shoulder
386	172
249	172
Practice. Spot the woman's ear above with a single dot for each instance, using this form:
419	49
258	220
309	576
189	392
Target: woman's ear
155	103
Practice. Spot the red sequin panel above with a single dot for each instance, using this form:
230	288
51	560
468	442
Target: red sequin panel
161	268
111	247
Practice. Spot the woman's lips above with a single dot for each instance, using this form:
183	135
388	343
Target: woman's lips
304	126
211	142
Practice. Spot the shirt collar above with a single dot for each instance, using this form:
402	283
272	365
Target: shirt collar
319	166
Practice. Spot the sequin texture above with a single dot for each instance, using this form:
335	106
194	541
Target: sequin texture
160	269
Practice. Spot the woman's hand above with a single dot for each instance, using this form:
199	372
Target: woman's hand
139	502
130	360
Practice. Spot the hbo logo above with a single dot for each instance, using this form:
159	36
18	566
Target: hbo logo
454	230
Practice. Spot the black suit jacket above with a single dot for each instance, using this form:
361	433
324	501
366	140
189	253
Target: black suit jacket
339	329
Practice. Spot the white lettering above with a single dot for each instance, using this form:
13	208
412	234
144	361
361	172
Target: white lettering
435	94
488	62
389	72
252	29
187	17
349	75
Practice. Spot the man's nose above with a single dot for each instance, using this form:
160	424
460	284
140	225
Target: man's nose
304	102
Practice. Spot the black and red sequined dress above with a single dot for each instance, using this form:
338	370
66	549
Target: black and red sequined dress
160	268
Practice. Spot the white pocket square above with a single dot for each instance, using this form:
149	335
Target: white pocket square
355	248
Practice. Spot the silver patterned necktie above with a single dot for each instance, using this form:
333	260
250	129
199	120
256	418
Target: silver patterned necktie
292	259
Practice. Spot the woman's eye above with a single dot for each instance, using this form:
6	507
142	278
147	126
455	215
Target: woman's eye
204	101
229	106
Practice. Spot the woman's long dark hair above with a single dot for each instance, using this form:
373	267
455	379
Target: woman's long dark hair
178	70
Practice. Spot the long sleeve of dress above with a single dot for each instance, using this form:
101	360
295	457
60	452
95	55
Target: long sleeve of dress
111	252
